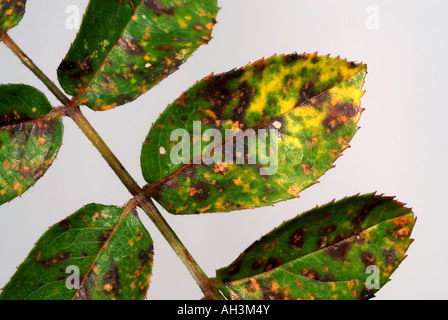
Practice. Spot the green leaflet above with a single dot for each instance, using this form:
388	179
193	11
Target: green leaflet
324	253
11	12
109	245
125	47
312	101
29	138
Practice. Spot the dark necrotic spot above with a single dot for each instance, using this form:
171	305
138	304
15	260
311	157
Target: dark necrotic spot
104	236
234	74
366	294
257	264
218	93
367	259
289	58
190	172
49	262
339	251
145	256
297	238
131	46
234	268
363	213
259	66
313	275
352	65
111	280
390	256
65	224
347	109
318	100
244	93
200	191
268	294
165	47
339	114
13	118
158	8
324	233
308	91
123	99
271	263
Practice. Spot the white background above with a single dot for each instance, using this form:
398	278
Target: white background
400	149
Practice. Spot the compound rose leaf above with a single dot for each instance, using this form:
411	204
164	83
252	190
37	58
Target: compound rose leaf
125	47
30	138
276	126
11	12
100	252
345	250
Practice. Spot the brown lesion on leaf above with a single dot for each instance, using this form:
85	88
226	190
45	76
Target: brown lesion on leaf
105	236
316	101
339	250
145	256
324	233
158	8
259	66
258	264
271	263
363	213
271	293
13	118
244	93
339	114
367	258
312	275
131	46
83	293
49	262
297	238
290	58
218	93
234	269
200	191
366	294
111	280
65	224
390	256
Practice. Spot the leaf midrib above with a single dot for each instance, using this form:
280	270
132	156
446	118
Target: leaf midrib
126	211
76	99
314	252
149	188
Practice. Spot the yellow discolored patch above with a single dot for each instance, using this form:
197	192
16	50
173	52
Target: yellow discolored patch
294	190
238	181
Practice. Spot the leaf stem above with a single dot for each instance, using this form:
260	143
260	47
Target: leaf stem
145	203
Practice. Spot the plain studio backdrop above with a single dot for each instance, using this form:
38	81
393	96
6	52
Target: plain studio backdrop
399	150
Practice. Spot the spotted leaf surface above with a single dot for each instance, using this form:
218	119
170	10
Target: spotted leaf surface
106	246
125	47
306	105
30	138
11	12
343	250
